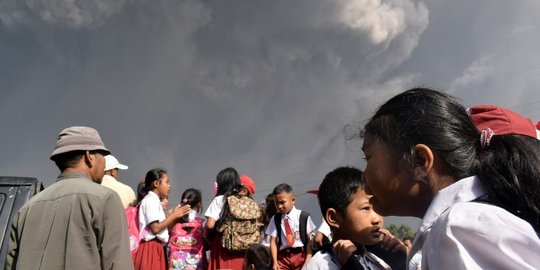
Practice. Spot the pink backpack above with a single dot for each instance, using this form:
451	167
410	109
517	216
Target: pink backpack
187	246
132	216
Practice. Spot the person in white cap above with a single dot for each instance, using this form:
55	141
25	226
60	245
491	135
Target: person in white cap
110	180
74	223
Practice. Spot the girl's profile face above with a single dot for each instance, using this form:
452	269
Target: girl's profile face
387	179
162	186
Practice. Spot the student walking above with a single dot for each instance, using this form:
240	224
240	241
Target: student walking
289	242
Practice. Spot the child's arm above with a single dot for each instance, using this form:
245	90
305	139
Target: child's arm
309	250
273	252
178	212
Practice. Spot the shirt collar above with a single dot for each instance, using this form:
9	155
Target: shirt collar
293	214
153	194
66	175
463	190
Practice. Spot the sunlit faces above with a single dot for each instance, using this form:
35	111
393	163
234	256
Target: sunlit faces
284	202
360	223
387	179
162	186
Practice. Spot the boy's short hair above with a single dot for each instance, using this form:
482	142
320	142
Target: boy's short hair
337	188
282	188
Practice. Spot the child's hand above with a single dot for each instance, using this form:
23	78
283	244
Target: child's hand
181	210
389	242
343	250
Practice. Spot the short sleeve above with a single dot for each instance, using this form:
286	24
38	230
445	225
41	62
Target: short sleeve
271	229
324	228
153	210
215	207
310	226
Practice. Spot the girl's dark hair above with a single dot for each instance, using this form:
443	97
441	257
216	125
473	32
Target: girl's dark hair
227	179
151	176
270	209
509	168
192	197
259	256
338	187
141	192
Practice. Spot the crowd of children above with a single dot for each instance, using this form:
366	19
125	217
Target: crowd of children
237	233
181	238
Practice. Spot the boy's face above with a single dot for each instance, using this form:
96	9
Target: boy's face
284	202
360	224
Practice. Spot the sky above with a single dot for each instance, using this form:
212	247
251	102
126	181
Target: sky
264	86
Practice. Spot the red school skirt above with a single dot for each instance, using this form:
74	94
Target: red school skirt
149	256
221	258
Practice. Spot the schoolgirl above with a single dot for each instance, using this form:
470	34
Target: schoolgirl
187	241
153	223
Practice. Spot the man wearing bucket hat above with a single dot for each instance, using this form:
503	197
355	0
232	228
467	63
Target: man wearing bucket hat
75	222
110	180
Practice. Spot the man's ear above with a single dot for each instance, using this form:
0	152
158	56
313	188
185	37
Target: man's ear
251	267
333	218
423	161
88	159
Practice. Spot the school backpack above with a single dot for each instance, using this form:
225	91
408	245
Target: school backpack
132	217
303	227
186	243
242	228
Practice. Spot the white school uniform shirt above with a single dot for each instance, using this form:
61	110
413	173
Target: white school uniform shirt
458	234
215	208
325	261
151	210
325	229
294	223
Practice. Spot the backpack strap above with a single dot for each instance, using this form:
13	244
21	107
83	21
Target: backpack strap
303	227
277	223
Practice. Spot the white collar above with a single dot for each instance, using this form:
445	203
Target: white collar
293	214
463	190
153	194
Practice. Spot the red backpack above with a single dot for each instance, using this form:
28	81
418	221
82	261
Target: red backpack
132	217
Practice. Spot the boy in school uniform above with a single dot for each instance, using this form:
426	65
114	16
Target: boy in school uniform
346	208
290	230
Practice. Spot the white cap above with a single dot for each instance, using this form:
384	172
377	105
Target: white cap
112	163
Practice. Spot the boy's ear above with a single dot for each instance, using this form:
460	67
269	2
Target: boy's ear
333	218
293	199
423	161
251	267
